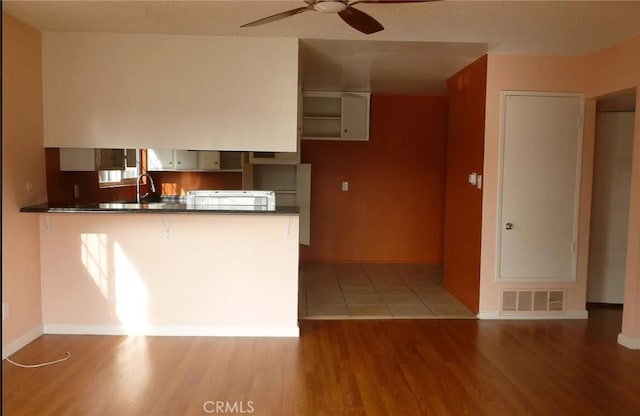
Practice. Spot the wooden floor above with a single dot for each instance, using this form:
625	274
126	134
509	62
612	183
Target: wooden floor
350	367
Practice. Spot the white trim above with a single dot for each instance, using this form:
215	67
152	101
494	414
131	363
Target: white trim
496	315
503	101
20	342
625	341
182	331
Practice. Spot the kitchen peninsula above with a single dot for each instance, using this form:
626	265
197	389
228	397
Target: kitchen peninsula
168	269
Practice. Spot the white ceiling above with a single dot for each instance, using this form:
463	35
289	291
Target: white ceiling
421	46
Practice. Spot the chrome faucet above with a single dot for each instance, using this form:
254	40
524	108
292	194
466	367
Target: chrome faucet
153	186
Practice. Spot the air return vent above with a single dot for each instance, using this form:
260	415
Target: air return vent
529	300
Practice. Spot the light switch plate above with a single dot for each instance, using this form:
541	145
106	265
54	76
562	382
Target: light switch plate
345	186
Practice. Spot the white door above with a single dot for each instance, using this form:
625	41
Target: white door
541	145
355	117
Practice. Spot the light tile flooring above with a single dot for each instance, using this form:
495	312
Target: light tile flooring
376	291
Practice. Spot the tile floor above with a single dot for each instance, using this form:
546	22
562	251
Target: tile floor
366	291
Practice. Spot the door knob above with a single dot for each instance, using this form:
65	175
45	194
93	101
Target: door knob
508	226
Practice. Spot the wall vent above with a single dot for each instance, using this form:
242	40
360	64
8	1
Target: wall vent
533	300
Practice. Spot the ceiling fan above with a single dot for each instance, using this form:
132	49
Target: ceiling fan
355	18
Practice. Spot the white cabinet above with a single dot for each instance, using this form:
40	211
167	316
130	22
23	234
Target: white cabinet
186	159
160	159
77	159
87	160
335	115
209	160
291	183
193	160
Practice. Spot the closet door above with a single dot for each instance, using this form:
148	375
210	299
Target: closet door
541	150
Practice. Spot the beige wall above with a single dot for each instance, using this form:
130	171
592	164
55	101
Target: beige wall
170	274
608	71
526	73
23	181
170	92
612	70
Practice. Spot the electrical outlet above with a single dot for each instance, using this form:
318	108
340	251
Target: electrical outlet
5	311
345	186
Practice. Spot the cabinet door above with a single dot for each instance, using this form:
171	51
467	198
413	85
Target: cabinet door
110	159
208	160
77	159
355	116
303	197
186	160
160	159
247	176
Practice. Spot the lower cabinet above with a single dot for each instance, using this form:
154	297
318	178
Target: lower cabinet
291	183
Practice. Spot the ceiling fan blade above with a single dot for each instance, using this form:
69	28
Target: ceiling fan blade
360	21
278	16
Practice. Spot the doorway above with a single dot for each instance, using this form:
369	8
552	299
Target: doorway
610	201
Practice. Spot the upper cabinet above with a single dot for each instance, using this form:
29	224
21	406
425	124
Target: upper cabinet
83	159
193	160
335	115
105	90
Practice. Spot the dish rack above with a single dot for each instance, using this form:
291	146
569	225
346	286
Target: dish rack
232	200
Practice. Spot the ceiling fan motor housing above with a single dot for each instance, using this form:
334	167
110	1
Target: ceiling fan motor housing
329	6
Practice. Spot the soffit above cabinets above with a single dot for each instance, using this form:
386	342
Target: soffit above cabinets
384	67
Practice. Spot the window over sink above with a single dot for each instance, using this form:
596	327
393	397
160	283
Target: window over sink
118	167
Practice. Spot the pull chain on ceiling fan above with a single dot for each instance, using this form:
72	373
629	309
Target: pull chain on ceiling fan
355	18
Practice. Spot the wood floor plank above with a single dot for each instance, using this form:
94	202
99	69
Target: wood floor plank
368	367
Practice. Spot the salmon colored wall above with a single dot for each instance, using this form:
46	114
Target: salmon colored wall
394	209
60	185
605	72
23	182
463	209
170	274
611	70
527	73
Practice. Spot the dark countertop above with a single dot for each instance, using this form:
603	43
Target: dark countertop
151	208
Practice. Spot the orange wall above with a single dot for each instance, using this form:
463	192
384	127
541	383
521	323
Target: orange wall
178	183
60	185
22	164
465	154
394	209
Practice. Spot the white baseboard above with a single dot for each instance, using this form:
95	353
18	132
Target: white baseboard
20	342
181	331
633	343
532	316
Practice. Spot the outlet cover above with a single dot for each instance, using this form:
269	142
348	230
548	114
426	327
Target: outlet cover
345	186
